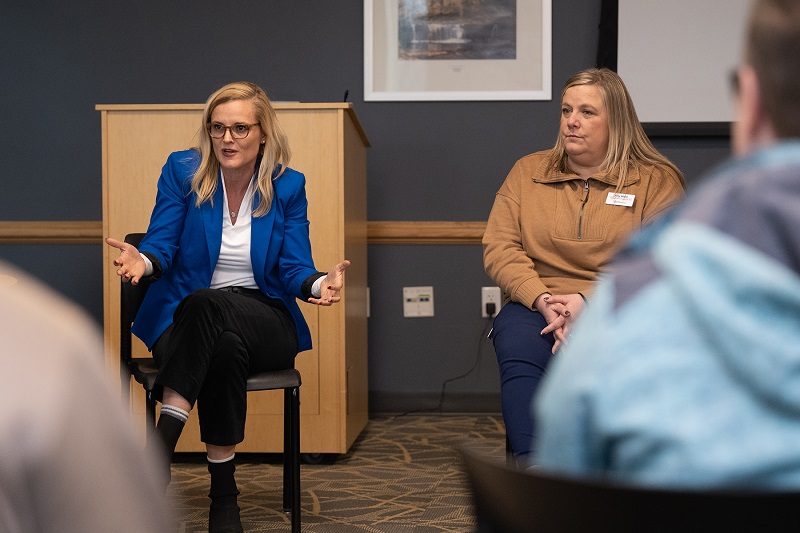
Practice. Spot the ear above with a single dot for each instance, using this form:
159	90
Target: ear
752	128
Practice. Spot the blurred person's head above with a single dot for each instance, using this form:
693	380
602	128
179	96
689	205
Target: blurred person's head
768	82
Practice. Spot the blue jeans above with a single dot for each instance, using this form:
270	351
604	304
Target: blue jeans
523	355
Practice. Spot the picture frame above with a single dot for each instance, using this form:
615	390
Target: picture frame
457	50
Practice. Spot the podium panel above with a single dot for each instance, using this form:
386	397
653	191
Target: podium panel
329	147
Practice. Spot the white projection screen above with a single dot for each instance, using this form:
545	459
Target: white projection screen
676	57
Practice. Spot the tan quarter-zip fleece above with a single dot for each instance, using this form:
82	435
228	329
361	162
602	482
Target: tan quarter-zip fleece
554	232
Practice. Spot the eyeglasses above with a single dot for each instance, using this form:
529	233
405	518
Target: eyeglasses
238	131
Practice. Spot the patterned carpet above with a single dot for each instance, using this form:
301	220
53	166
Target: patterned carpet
402	474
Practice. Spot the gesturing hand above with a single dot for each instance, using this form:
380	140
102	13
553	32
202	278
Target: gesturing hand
331	285
130	265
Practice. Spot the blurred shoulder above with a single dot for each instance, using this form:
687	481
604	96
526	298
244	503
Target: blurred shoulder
41	329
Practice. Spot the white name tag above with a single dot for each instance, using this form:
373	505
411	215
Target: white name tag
620	199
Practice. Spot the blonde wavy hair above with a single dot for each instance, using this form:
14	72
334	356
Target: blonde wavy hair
628	145
274	153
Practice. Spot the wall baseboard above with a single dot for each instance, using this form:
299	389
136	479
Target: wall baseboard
428	402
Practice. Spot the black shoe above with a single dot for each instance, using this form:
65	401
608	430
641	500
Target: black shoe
224	518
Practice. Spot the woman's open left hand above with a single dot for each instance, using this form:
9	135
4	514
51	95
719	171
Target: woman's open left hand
331	285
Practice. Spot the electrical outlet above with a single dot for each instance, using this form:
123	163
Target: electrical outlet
417	301
490	295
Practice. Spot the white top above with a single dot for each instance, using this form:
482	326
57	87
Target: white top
234	268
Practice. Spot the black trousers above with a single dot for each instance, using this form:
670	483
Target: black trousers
217	339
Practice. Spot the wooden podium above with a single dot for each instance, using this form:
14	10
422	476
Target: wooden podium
329	147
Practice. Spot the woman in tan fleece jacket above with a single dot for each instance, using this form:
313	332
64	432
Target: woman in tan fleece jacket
556	222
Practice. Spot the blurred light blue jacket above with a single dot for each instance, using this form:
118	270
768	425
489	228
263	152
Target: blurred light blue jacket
684	370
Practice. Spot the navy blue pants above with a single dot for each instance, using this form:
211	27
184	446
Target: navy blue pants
523	355
217	339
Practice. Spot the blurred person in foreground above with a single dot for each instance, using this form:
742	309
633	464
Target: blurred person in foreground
685	368
69	459
556	222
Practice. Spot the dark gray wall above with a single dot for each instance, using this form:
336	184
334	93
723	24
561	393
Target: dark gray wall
428	161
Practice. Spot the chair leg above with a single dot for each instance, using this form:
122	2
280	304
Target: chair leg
150	412
287	450
295	457
125	389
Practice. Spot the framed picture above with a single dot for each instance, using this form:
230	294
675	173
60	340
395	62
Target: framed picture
427	50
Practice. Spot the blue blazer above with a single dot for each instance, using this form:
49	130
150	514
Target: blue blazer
186	240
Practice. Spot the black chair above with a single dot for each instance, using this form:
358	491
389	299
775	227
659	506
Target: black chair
144	371
511	500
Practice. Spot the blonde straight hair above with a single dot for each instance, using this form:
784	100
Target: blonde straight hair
274	153
627	143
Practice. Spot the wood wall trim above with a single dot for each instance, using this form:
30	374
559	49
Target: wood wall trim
378	232
51	232
425	232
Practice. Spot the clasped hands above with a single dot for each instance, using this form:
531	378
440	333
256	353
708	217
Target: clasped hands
560	311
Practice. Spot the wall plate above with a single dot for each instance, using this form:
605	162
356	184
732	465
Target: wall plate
417	302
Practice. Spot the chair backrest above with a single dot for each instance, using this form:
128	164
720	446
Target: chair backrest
131	297
510	500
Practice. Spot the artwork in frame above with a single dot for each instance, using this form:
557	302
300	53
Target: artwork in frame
426	50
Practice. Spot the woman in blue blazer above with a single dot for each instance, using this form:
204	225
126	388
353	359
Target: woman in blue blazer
228	244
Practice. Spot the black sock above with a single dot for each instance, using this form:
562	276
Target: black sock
169	428
223	482
223	515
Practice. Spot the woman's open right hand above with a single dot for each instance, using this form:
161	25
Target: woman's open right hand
130	265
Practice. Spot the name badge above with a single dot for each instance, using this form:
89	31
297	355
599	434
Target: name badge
620	199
